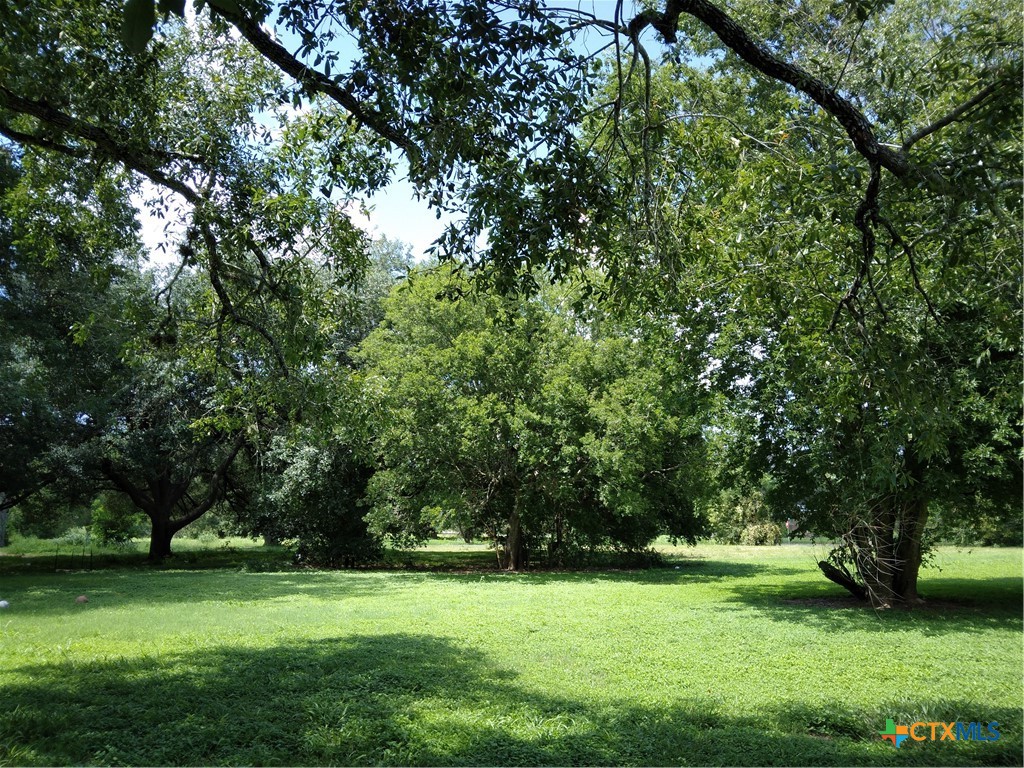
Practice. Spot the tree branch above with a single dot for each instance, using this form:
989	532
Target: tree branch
101	138
316	81
216	484
953	116
856	125
18	137
867	213
126	486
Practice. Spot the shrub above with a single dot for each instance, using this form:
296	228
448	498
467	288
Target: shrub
761	534
115	520
733	513
73	537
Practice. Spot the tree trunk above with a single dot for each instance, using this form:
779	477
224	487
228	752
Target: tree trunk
908	550
555	551
515	551
886	554
161	534
4	516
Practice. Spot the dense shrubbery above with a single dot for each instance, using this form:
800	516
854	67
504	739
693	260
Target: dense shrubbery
115	520
741	517
761	534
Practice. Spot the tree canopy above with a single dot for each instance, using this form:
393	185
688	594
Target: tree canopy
525	422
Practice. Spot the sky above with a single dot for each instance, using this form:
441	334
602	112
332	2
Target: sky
394	211
394	214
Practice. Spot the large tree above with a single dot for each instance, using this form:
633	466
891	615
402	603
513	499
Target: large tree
523	421
67	256
866	352
484	101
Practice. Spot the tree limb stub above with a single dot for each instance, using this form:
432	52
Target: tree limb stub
844	580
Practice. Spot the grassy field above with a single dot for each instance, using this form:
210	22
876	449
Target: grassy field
728	656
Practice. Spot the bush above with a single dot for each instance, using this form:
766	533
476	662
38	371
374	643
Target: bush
310	496
73	537
115	520
761	534
733	513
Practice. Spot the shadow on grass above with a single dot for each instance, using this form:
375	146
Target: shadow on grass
50	594
66	559
417	700
950	606
54	594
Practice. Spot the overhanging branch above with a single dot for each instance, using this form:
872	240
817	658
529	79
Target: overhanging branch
738	40
314	80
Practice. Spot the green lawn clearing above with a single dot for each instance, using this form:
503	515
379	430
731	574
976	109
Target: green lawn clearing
727	656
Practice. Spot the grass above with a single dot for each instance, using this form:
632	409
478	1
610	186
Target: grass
729	656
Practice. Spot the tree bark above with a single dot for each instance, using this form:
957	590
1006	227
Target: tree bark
4	515
908	550
161	534
515	551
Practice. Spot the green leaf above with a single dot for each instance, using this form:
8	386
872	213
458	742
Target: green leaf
137	29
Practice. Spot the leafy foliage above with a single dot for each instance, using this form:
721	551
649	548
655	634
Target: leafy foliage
517	420
115	520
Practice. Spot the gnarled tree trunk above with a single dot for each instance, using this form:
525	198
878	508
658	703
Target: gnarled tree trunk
884	547
885	553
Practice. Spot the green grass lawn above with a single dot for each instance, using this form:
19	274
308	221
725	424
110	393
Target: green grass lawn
730	655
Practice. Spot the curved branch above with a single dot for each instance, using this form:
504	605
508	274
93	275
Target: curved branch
136	160
865	218
738	40
217	482
953	116
316	81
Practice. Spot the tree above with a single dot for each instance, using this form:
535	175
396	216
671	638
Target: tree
520	421
305	477
485	101
156	451
199	127
866	352
67	252
893	129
